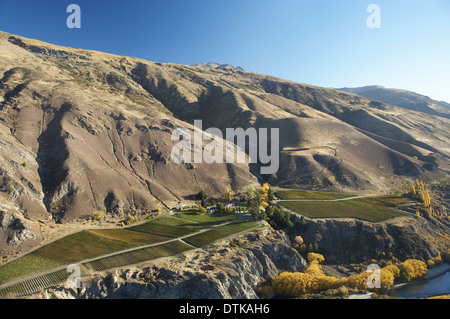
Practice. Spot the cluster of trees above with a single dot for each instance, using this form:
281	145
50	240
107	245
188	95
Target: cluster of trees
132	217
403	272
258	204
314	280
418	191
277	217
265	195
302	248
435	261
311	280
202	195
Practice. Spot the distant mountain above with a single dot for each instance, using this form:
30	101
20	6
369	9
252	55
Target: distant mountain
403	98
214	65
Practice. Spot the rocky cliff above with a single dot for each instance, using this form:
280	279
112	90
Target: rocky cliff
346	241
238	267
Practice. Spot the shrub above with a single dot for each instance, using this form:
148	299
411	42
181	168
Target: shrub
98	215
315	258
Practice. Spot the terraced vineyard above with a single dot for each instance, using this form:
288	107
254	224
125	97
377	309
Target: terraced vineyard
169	227
138	256
36	284
102	249
307	194
210	236
372	209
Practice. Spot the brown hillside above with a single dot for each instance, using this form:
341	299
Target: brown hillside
84	130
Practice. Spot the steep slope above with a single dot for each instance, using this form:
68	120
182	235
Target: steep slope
87	130
78	136
374	143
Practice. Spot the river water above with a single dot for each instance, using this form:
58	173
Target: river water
435	283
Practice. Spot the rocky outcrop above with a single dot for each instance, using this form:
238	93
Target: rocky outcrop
15	230
352	241
237	267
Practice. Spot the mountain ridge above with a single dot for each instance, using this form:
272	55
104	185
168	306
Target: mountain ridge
403	98
214	65
84	130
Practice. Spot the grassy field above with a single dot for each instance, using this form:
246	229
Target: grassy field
206	218
306	194
169	227
372	209
28	264
210	236
129	236
79	246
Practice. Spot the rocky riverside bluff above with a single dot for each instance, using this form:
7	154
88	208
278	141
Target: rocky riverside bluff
241	265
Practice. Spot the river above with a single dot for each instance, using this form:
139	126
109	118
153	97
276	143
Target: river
436	282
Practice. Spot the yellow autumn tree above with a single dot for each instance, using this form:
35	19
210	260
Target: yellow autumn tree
426	199
264	195
227	196
314	280
298	240
412	269
422	197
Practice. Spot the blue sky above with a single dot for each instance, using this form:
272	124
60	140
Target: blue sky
319	42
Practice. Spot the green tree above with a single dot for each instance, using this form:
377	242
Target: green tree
202	195
269	211
270	195
281	219
220	207
251	192
316	247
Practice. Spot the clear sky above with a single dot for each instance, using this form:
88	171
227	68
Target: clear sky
319	42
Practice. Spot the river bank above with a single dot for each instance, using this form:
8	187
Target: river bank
435	283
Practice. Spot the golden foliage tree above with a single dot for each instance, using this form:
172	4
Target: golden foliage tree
264	195
298	240
314	280
227	196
